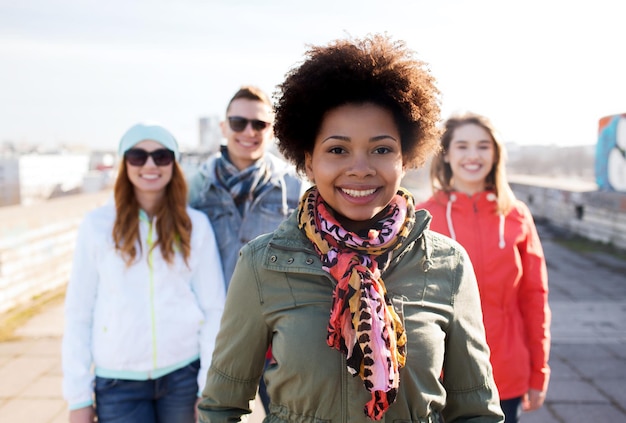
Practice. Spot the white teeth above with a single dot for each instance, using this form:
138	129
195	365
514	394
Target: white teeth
472	167
357	193
247	144
149	176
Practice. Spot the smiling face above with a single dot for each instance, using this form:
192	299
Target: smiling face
247	146
471	156
356	162
149	179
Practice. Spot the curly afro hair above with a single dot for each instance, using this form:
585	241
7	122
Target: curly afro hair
375	70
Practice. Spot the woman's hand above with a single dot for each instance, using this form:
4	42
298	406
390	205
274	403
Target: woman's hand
83	415
533	400
195	409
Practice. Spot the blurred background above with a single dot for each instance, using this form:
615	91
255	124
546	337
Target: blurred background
75	74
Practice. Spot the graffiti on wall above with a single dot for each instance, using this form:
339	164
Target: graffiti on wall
611	153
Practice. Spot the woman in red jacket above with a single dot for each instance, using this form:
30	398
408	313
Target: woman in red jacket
473	204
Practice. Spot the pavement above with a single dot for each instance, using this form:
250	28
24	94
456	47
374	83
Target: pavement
588	358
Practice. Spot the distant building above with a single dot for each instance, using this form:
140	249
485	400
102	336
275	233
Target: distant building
43	176
9	181
210	133
102	171
31	178
574	162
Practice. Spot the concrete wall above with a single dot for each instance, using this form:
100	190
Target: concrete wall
576	206
37	241
36	246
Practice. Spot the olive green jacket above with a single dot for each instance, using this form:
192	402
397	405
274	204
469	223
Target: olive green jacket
280	295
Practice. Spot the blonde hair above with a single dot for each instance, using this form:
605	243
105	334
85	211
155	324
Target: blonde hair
441	172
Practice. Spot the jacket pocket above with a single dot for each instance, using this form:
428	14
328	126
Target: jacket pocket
103	384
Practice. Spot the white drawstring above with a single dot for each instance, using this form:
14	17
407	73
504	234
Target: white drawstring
490	197
451	199
502	244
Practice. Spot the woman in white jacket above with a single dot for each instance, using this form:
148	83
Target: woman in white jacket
145	295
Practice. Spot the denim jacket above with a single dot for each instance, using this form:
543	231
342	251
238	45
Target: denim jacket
262	215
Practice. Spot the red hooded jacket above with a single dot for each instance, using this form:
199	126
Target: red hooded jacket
512	278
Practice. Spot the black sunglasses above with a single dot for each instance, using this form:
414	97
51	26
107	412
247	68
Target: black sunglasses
139	156
238	123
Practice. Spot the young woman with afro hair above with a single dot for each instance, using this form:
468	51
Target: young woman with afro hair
370	315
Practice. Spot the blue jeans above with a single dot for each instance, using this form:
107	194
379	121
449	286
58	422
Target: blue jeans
512	409
168	399
265	398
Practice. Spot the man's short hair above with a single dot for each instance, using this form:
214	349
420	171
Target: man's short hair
250	92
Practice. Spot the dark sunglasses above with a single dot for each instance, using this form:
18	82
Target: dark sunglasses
139	156
238	123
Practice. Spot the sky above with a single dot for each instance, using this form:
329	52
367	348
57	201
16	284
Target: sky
83	71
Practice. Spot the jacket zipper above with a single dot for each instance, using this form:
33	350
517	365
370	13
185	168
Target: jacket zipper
478	239
150	242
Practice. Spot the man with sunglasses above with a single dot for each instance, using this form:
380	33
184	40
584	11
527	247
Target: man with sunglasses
243	189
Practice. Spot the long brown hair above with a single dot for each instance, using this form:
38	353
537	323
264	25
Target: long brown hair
173	225
441	172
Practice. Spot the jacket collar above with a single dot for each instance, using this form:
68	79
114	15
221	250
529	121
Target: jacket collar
288	240
485	201
482	200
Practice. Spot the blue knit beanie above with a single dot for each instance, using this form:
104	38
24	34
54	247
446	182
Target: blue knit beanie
148	131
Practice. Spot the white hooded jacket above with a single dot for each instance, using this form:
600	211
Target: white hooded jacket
139	322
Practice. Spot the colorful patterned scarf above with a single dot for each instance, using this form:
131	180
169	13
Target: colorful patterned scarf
243	185
363	323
